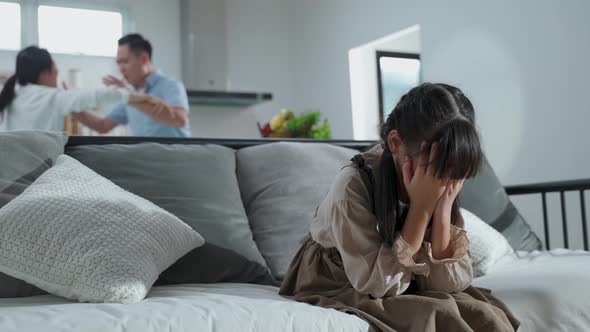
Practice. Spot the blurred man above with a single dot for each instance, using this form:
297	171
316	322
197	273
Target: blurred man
165	115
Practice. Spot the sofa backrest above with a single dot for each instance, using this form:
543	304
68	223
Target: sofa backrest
280	186
248	196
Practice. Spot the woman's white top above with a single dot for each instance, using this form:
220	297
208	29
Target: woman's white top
44	108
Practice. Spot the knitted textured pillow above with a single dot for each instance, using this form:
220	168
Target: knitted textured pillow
76	234
24	155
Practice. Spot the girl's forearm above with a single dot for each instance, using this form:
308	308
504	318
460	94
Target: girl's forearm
415	227
440	236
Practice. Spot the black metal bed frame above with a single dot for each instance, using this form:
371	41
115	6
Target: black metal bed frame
542	189
560	187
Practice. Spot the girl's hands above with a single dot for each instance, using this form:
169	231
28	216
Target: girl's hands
423	187
430	197
442	210
440	236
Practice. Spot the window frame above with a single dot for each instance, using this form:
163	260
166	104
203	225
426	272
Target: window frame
21	25
30	18
103	6
390	54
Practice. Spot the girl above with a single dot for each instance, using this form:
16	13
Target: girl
30	99
386	243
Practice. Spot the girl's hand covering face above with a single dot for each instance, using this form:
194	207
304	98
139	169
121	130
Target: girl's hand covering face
423	187
445	203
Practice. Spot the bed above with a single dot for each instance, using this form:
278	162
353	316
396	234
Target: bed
203	308
544	289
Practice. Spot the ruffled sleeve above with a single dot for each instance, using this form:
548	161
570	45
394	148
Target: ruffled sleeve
453	274
372	266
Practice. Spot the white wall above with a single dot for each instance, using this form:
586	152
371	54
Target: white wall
325	31
204	44
524	69
223	122
157	20
523	64
260	52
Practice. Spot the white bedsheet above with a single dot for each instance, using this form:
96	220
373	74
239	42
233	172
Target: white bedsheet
214	307
547	291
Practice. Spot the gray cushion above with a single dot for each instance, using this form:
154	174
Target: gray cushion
210	264
197	183
282	184
485	197
16	187
25	156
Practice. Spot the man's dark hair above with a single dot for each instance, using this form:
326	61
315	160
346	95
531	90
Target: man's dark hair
137	44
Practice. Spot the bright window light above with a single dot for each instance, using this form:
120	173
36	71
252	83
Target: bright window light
79	31
9	26
398	76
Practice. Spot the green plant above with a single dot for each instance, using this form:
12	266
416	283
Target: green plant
322	132
305	125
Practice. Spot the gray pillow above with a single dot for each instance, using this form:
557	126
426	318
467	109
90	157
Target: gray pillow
25	156
197	183
282	184
222	265
485	197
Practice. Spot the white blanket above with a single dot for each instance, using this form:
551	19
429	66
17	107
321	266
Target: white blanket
203	308
546	291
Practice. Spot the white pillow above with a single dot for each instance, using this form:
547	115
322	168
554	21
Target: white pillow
76	234
486	245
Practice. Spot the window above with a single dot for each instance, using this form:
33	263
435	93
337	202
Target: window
397	73
9	26
79	31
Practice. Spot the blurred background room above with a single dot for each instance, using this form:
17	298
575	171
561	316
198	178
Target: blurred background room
330	69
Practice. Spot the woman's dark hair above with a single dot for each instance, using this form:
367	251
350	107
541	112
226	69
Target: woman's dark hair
427	113
30	63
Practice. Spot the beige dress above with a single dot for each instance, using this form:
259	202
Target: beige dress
345	265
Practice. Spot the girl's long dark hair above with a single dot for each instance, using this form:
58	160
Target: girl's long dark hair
30	63
431	113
